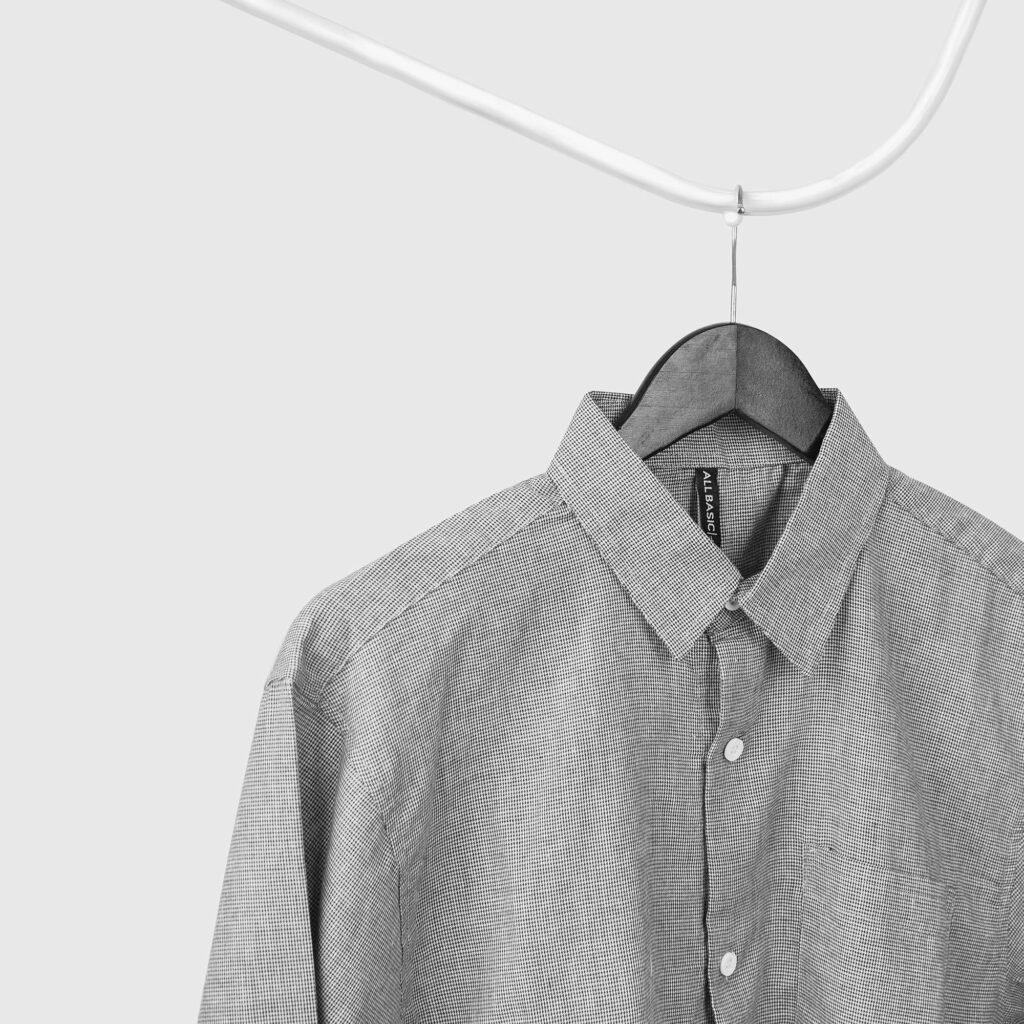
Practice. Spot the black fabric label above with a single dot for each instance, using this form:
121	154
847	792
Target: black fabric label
709	510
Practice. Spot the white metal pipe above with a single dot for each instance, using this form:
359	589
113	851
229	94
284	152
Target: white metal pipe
612	161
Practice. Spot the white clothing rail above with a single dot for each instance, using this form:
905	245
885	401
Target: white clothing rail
613	161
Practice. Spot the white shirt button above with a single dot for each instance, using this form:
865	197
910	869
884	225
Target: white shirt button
728	964
733	748
732	603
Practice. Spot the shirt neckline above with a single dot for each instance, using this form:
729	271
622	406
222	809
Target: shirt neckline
675	574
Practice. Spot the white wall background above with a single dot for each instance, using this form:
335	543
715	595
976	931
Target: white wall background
266	314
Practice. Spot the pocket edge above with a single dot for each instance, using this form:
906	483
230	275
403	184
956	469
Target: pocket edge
934	892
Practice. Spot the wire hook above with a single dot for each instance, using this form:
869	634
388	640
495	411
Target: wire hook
732	218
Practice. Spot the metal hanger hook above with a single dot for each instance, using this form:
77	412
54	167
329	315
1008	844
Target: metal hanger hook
732	218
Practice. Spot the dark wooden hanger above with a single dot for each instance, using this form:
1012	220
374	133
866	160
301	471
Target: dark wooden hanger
723	368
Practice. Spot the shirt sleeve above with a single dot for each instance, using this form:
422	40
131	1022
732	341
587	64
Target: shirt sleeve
307	928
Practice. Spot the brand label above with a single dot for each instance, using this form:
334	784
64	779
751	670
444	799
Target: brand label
709	511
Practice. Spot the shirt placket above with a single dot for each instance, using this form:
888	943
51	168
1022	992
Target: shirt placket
731	815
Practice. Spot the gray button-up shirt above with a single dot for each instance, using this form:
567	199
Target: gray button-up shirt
562	757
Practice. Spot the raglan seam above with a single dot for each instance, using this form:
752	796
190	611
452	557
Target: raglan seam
975	557
340	668
316	705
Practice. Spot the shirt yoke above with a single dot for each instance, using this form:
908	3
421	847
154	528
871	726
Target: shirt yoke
339	620
993	548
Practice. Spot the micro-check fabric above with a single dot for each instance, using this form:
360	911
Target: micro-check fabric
617	745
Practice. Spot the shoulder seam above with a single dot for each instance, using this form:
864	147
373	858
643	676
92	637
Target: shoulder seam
339	669
953	542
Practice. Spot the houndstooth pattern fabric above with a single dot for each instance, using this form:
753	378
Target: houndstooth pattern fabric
562	758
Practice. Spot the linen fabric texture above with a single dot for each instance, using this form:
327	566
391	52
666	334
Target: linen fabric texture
530	766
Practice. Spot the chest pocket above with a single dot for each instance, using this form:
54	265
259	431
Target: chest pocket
873	943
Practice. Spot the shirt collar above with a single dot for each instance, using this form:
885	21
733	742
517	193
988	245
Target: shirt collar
675	574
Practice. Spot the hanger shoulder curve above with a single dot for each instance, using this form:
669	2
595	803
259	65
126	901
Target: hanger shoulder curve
723	368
